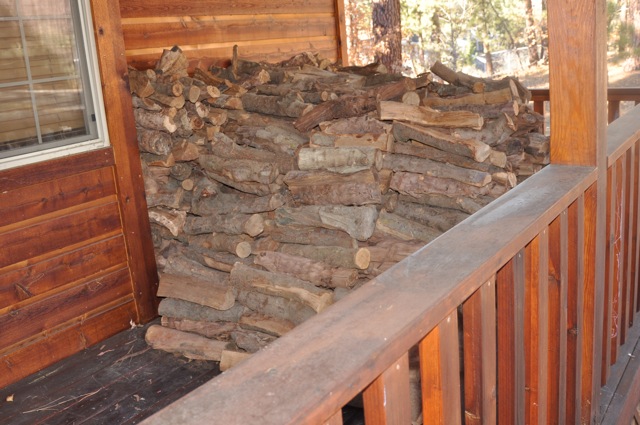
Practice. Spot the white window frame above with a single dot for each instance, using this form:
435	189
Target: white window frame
88	48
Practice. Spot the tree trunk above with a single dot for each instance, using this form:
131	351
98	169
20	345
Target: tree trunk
387	35
530	32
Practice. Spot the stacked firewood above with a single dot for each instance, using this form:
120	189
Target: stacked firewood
276	189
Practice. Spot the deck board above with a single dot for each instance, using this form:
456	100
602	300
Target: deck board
117	381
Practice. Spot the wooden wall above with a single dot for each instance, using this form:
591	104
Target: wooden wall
63	266
207	30
76	260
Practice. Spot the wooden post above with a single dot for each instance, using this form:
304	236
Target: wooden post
577	44
128	169
341	26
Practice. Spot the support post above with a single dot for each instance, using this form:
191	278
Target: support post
578	105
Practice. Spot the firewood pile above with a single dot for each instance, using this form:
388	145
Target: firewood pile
276	189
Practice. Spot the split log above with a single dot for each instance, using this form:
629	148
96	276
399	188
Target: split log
438	218
140	83
497	158
231	224
398	162
217	260
311	235
266	324
358	222
251	341
216	117
240	170
217	330
424	151
417	184
392	250
505	111
169	101
321	187
181	171
230	358
215	294
381	141
225	102
465	147
347	258
228	203
318	273
247	186
274	306
291	105
168	196
339	160
264	244
174	220
426	116
479	85
281	285
362	131
154	141
239	245
170	88
180	309
145	103
352	105
495	131
224	147
172	62
185	151
186	344
460	203
486	98
154	120
405	229
505	178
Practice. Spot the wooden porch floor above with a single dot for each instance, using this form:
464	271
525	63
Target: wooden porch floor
119	381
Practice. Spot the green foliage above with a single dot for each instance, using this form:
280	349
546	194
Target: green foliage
445	30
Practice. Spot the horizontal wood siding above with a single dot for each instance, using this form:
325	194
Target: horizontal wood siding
64	276
207	30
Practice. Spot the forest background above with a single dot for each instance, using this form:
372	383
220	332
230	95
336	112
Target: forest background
487	38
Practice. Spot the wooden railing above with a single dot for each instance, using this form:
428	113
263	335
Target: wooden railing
508	310
614	98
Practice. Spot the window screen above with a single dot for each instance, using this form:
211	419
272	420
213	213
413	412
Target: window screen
45	85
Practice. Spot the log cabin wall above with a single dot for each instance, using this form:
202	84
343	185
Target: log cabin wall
207	30
76	259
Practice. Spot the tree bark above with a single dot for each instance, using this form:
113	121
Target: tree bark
387	34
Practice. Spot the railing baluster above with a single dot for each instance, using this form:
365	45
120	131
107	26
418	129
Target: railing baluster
621	254
511	355
440	374
479	325
609	274
564	311
593	319
386	400
543	326
635	261
575	303
630	236
531	335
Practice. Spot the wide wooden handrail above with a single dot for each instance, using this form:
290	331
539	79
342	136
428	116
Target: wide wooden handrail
503	256
310	373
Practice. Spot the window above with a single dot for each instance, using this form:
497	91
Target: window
50	103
